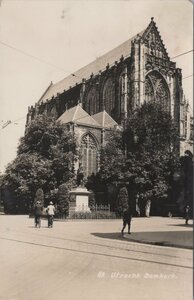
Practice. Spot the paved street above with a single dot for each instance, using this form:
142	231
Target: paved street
90	260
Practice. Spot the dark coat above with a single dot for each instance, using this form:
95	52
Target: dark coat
127	215
38	210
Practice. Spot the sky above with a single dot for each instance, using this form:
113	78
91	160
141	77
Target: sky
44	41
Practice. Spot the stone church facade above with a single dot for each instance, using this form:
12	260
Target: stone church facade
98	97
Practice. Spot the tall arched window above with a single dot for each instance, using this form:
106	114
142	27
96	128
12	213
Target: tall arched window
91	105
89	155
53	111
121	93
156	89
109	95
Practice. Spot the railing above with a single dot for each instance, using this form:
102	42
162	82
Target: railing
100	207
93	208
92	212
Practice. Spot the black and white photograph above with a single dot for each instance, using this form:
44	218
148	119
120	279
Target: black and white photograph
96	150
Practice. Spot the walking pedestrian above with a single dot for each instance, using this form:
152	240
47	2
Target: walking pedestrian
50	211
137	208
37	213
127	216
187	209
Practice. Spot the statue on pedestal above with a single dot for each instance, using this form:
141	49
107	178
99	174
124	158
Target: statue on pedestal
80	194
80	176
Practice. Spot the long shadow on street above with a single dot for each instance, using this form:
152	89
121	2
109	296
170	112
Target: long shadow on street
179	239
182	225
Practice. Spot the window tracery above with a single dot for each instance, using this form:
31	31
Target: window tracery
156	89
91	102
121	91
108	95
89	155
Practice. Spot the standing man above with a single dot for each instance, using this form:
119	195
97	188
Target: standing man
127	216
50	211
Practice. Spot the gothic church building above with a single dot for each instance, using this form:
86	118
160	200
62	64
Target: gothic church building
98	97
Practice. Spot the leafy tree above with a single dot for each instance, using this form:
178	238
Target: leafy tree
184	182
112	158
63	200
112	161
21	182
45	159
92	201
151	139
97	185
122	201
39	196
144	156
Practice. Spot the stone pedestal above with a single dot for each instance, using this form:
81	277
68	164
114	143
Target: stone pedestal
79	200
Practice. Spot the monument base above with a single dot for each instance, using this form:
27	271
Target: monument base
79	200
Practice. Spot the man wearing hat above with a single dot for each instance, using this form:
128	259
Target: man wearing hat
50	211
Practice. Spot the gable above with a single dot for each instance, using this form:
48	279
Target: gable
87	120
152	39
72	114
104	119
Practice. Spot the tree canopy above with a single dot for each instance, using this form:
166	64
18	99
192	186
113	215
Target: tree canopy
122	201
45	159
144	155
112	158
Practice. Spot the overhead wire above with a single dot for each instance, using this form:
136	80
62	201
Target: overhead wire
11	122
182	54
170	84
127	56
32	56
73	74
62	69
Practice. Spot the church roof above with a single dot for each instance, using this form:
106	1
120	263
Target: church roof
104	119
78	115
123	50
94	67
73	114
87	121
